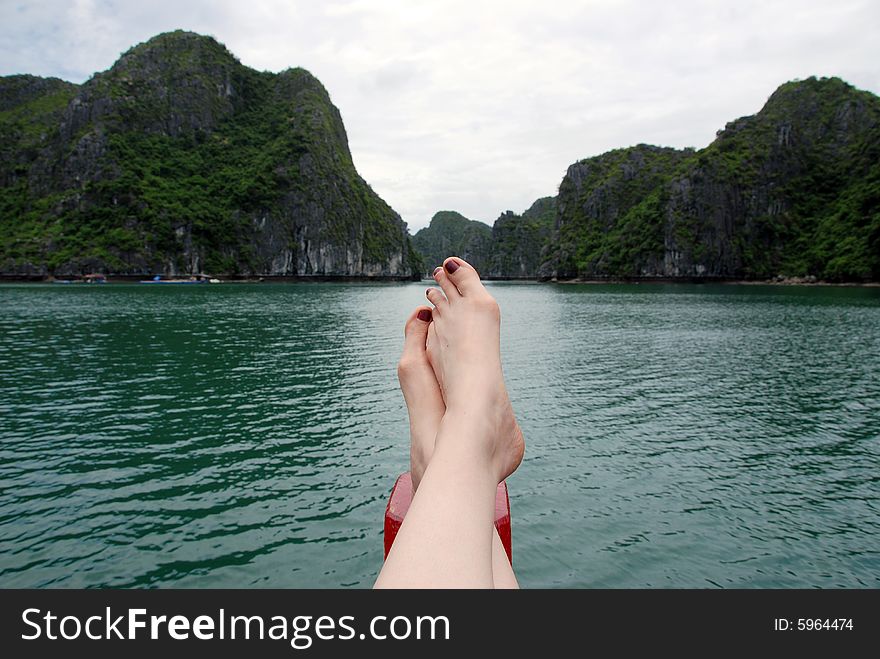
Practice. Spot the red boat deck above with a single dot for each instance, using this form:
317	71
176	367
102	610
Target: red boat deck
401	497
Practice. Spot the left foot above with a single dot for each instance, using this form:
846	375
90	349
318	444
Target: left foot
424	402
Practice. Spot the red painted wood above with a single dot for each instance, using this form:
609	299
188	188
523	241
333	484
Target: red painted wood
401	498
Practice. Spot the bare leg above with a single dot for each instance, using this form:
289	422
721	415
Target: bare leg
446	538
502	570
424	403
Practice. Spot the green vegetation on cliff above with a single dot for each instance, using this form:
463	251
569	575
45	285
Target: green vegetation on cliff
793	190
519	241
180	159
510	249
452	234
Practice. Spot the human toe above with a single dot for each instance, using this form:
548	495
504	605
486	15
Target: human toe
463	275
415	336
438	299
441	276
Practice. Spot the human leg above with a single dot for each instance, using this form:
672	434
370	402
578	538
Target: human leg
446	538
425	406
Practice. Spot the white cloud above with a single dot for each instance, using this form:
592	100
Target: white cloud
480	105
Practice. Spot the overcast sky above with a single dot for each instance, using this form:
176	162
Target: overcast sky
480	105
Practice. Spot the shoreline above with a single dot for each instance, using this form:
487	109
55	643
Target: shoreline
795	281
259	279
387	279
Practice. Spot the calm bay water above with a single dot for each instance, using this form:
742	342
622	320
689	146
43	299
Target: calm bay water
248	435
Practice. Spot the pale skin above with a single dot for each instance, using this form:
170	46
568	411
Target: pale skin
464	440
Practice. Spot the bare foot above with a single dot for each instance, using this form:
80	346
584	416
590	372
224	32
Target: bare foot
464	350
424	402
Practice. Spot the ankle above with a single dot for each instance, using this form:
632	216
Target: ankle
470	439
477	402
469	460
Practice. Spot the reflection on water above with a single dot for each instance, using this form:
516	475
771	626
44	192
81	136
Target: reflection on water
241	435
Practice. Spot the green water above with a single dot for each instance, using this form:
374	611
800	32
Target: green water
248	435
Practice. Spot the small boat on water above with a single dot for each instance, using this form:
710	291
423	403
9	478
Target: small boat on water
192	279
94	278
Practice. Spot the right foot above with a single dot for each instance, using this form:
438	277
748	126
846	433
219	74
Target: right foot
464	349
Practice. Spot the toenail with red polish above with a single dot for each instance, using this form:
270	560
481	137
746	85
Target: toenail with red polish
438	268
428	291
425	315
451	266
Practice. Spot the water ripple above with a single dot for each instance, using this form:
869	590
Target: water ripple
248	435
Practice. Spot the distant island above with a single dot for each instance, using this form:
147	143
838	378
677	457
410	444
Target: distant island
511	249
180	160
792	192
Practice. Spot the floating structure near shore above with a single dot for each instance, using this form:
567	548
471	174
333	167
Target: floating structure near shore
193	279
94	278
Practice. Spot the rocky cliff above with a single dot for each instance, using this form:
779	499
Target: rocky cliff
452	234
515	250
180	159
509	249
793	190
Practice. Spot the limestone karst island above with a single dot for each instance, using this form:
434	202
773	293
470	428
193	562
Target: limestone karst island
181	160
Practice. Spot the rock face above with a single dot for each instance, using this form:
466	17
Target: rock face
510	249
609	205
180	159
793	191
518	240
452	234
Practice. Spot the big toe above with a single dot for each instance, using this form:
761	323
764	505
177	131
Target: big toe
415	334
463	275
